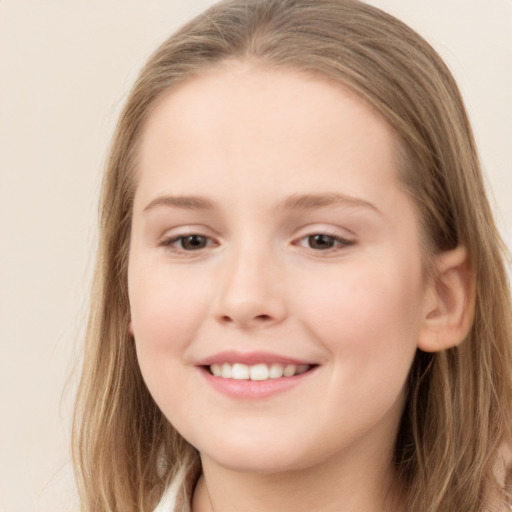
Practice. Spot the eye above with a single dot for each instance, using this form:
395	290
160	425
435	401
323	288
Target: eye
193	242
323	242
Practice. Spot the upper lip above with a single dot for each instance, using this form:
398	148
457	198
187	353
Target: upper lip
249	358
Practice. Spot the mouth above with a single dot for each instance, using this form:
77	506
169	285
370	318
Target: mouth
255	375
257	372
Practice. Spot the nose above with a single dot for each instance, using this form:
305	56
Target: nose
251	292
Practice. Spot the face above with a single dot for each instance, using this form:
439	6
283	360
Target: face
275	276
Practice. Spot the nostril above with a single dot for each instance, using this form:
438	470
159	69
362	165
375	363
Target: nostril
227	319
263	317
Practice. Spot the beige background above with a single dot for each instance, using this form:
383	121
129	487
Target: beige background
65	67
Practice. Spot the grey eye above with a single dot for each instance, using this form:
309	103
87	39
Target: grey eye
322	242
192	242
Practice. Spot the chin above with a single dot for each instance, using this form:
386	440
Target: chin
261	465
258	456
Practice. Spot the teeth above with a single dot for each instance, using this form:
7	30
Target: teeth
290	370
302	368
259	372
239	371
276	371
226	371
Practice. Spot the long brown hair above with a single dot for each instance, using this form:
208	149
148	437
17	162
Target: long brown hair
459	404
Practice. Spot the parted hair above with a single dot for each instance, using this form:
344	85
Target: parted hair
457	416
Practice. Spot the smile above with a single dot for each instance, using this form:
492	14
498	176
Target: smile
257	372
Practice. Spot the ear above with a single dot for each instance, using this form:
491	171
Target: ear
130	329
449	302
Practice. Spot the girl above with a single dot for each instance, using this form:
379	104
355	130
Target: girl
300	300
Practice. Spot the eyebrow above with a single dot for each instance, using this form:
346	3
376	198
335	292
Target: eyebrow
185	202
311	201
293	202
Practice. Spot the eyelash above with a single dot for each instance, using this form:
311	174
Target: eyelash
176	243
337	242
171	241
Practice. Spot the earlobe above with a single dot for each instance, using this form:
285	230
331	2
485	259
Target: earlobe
449	302
130	329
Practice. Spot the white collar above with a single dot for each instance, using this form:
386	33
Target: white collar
168	500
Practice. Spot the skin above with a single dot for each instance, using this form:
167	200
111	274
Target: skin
247	139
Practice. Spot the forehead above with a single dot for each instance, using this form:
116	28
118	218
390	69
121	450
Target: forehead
241	122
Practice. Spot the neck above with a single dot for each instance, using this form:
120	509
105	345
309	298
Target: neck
365	485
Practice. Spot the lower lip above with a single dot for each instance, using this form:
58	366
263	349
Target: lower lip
246	389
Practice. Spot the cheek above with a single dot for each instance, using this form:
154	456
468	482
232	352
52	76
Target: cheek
166	312
365	314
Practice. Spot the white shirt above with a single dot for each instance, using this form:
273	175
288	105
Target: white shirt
168	501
